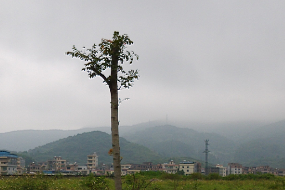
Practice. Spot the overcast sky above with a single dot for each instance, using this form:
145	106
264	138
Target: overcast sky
202	61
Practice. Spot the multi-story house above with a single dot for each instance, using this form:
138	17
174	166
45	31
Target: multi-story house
8	163
21	165
50	165
35	168
260	169
57	164
60	164
170	167
281	172
92	161
125	168
219	169
264	169
147	166
189	167
82	170
72	167
234	168
249	170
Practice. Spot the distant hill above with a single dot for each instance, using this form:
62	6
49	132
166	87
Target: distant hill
266	131
172	141
76	148
264	147
24	140
234	130
28	139
259	145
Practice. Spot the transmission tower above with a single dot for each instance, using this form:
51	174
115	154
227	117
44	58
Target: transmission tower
206	157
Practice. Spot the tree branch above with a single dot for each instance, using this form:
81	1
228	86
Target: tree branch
102	76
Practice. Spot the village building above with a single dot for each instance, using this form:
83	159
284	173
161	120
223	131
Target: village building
219	169
170	167
35	168
234	168
189	167
92	161
8	163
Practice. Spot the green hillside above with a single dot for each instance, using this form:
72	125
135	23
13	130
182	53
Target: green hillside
76	148
264	146
263	151
173	142
23	140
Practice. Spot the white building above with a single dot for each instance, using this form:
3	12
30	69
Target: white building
222	170
234	168
92	161
188	167
170	167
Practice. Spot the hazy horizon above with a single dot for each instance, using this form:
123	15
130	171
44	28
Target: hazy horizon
198	126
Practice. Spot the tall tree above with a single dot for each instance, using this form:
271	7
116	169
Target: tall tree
110	55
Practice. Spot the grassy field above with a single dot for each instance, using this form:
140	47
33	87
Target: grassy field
140	181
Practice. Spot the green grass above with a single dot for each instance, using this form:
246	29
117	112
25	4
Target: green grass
151	181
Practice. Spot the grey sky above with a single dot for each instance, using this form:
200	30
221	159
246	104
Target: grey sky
199	61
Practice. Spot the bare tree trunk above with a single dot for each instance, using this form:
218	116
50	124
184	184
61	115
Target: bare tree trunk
115	124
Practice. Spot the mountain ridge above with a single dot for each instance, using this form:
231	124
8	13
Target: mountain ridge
76	148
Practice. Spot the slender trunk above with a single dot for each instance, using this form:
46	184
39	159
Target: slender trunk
115	124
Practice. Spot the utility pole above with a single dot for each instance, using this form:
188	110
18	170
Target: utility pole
206	157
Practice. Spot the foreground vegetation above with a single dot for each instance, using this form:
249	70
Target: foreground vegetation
144	180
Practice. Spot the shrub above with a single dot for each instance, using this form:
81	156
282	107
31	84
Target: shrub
171	176
232	177
94	183
136	181
196	176
266	176
213	176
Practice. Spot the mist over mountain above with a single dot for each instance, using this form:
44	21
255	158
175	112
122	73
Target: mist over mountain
244	142
271	130
24	140
234	130
172	141
264	146
29	139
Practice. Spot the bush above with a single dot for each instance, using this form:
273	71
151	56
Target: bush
232	177
213	176
171	176
94	183
266	176
136	181
196	176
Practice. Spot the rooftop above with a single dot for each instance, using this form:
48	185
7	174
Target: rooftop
7	154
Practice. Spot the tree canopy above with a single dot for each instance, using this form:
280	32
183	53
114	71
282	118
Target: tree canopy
99	59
